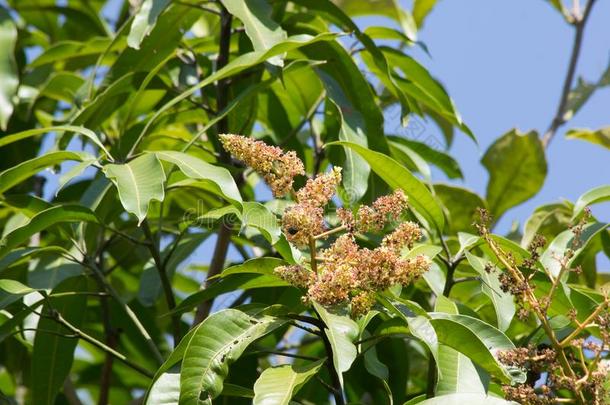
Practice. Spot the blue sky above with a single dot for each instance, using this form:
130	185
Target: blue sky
503	63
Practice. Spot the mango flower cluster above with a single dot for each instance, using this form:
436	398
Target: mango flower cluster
277	168
344	272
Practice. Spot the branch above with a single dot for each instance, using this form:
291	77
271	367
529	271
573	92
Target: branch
559	119
82	335
168	292
222	92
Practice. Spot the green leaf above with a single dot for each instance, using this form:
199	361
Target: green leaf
557	248
43	220
547	220
462	399
17	174
14	287
475	339
139	182
355	169
461	207
421	8
419	324
599	137
254	214
8	67
52	355
195	168
260	28
167	391
341	331
277	385
593	196
440	159
238	65
517	169
5	140
502	301
144	21
457	372
220	340
420	198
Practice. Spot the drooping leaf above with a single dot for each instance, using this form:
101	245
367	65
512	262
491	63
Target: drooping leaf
8	67
517	169
53	355
420	198
502	301
440	159
260	27
341	332
599	137
421	8
139	182
277	385
457	372
17	174
355	169
477	340
547	220
6	140
219	341
593	196
196	168
461	207
43	220
145	20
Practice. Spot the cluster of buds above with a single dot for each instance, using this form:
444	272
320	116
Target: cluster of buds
277	168
343	273
563	367
373	218
548	379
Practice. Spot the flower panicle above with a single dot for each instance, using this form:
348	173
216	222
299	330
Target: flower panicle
374	218
277	167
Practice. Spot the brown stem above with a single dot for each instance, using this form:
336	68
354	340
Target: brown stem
559	118
330	232
111	341
166	283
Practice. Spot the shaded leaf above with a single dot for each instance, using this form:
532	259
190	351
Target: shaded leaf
53	355
260	28
517	169
470	399
145	20
43	220
17	174
8	66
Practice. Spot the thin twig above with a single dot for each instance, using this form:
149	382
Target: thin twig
560	119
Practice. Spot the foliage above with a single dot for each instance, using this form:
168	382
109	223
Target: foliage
333	269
